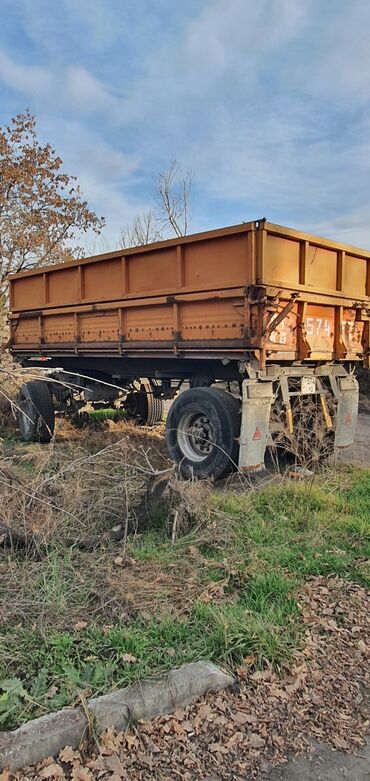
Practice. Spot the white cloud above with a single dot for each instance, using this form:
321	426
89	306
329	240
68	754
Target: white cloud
70	90
255	96
30	79
85	94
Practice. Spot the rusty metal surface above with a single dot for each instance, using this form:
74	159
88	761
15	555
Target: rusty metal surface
222	287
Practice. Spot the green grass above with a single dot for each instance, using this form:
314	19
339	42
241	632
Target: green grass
107	413
54	666
258	547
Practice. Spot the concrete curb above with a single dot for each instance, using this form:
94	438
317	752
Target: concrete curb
45	736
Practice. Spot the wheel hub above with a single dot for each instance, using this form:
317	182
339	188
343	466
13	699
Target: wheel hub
196	436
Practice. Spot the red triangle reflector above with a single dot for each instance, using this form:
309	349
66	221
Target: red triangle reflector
257	434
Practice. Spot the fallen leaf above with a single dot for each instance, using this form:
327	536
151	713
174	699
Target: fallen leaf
153	748
52	771
242	672
129	658
80	773
97	764
340	743
177	727
131	741
171	652
68	755
243	718
235	739
255	740
114	764
110	741
217	748
79	625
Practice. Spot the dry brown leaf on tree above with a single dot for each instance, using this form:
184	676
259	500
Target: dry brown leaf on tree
42	211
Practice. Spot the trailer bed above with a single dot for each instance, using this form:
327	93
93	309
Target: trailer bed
255	288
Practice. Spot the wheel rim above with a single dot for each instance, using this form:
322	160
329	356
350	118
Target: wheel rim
195	436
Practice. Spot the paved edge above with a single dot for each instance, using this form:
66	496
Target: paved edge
144	700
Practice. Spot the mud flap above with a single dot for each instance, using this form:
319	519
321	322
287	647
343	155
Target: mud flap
347	409
255	423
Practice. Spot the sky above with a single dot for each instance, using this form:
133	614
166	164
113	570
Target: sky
266	101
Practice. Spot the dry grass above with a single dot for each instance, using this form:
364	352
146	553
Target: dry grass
105	552
77	506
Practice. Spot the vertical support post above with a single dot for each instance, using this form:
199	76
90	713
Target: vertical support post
176	325
260	254
340	349
368	277
366	344
303	254
124	274
41	330
340	269
251	257
45	278
80	284
77	331
180	269
121	327
247	318
284	386
303	347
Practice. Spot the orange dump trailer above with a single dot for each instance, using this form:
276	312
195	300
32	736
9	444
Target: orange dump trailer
256	287
274	310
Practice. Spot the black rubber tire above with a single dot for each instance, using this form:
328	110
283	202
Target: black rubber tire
143	407
223	412
36	416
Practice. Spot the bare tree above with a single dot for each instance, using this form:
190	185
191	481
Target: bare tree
172	191
144	229
173	199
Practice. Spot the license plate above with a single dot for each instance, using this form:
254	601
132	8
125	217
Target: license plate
308	385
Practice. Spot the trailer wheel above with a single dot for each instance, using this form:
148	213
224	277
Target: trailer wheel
36	417
202	432
141	405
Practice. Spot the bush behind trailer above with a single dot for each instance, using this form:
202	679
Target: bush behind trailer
279	317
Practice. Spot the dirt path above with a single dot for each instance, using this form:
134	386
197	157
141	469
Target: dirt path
326	765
